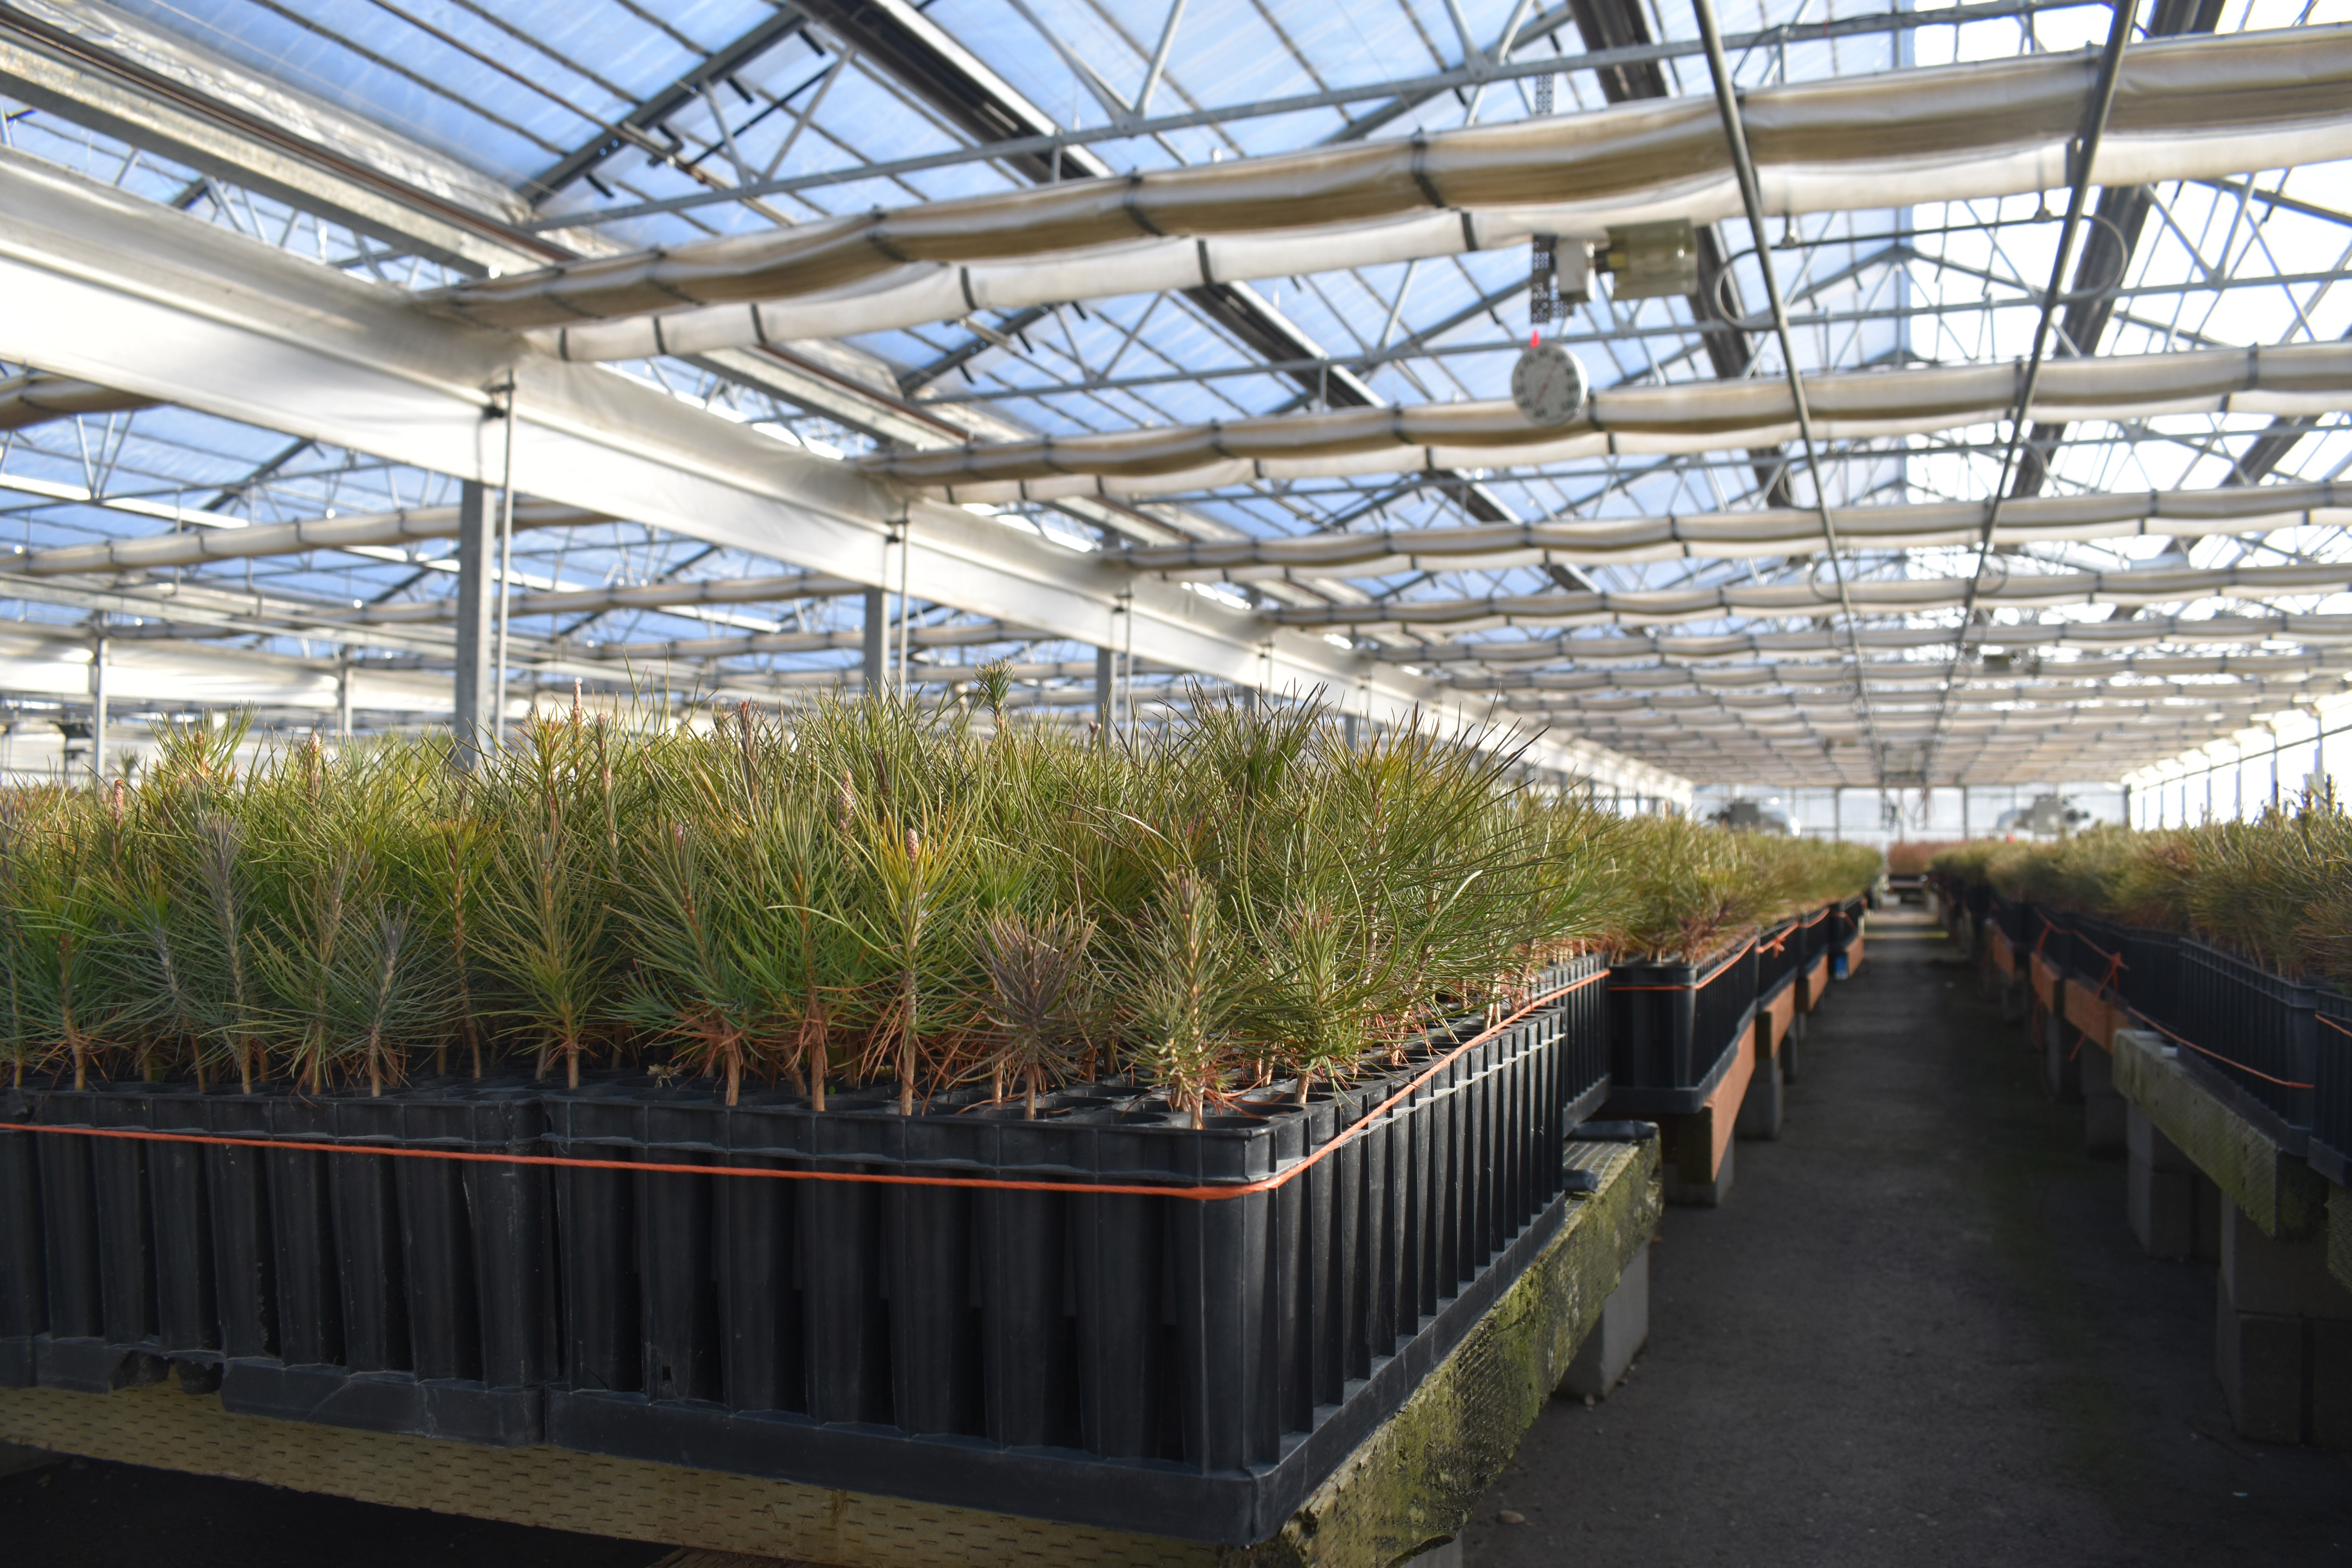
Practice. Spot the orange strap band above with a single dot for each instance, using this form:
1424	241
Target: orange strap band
2225	1061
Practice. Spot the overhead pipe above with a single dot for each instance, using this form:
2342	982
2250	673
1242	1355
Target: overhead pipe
194	547
2187	108
1740	536
660	596
1648	647
1895	672
1888	594
2085	156
1752	199
36	397
1680	417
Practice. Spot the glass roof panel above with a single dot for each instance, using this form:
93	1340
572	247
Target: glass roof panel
737	116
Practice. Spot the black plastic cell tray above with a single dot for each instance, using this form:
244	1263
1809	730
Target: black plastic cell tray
1673	1030
2331	1110
2141	967
1845	922
1813	939
2258	1030
1157	1363
377	1293
1779	957
2013	919
2051	934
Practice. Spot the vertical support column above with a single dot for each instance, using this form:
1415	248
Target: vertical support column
2284	1337
477	636
343	694
876	675
98	708
1106	673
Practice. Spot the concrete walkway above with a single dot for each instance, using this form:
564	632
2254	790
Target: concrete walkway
1916	1333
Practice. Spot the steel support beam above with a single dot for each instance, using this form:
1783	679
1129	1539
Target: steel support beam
1106	670
117	75
873	665
2108	249
36	399
476	685
117	290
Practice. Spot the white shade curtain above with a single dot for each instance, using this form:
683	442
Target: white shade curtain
2301	379
2184	109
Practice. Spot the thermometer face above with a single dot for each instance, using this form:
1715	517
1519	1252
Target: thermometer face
1548	385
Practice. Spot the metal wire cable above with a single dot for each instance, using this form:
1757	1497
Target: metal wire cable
1752	196
2087	153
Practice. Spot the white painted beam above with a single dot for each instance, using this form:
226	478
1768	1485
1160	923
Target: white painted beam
116	290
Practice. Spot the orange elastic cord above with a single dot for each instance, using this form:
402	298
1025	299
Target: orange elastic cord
2333	1024
2115	965
1082	1189
2225	1061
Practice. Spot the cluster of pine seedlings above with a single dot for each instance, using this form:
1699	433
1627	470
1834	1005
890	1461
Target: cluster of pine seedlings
1910	856
1685	890
862	893
2276	889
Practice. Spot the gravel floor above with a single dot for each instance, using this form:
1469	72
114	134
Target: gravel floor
1918	1333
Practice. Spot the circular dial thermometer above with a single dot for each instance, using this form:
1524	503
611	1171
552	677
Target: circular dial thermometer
1547	383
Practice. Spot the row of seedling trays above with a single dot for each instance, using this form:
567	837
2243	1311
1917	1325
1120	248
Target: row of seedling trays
2281	1047
1676	1029
1145	1357
1177	1364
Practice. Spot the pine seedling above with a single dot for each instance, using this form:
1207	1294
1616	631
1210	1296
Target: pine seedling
1185	984
544	925
1042	982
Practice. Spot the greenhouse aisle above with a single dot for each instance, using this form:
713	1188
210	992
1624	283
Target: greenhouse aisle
1918	1333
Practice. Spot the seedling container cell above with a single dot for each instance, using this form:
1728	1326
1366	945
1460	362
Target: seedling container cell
69	1229
2331	1110
1027	1342
309	1283
179	1224
759	1320
674	1271
24	1289
372	1286
1120	1256
245	1264
1779	957
510	1226
126	1274
2014	921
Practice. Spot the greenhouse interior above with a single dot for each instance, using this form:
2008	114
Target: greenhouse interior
751	815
